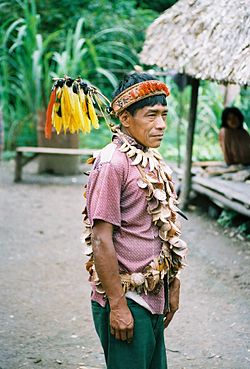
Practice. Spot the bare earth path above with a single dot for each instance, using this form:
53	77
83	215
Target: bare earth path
45	319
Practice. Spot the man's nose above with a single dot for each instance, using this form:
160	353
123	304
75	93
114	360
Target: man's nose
161	122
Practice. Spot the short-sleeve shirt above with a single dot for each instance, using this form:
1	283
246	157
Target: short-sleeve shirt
114	196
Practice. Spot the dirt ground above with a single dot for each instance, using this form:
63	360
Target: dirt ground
45	318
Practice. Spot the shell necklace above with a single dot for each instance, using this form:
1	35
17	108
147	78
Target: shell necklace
156	181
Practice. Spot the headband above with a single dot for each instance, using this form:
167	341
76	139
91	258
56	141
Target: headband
138	92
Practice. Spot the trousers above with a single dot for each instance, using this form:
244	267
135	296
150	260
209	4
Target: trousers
147	349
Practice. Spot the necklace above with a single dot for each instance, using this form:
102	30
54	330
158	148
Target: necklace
156	181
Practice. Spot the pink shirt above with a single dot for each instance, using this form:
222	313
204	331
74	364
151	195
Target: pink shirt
114	196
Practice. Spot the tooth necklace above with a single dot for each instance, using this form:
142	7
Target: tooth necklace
157	182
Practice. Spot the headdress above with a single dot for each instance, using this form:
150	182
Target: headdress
75	105
138	92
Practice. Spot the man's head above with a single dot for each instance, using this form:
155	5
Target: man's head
145	119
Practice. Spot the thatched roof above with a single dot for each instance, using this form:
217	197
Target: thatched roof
207	39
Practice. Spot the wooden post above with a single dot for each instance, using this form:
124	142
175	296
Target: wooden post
18	167
186	180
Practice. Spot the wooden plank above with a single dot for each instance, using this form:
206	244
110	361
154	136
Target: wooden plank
217	171
232	190
56	151
219	198
20	163
18	167
208	164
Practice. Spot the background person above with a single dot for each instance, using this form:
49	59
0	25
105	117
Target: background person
234	139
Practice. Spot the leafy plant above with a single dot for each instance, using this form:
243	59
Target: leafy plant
95	57
226	218
33	51
210	106
159	5
23	70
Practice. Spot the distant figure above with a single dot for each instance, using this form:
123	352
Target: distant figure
234	139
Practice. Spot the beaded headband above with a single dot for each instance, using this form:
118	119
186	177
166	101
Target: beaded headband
138	92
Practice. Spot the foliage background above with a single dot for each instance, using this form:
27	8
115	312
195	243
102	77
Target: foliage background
99	40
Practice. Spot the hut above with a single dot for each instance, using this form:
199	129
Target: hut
205	39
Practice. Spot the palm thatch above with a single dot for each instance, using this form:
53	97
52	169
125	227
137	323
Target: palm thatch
207	39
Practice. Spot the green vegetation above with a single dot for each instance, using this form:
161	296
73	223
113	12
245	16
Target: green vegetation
226	218
207	126
239	223
98	40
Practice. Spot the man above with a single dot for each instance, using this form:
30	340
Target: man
131	218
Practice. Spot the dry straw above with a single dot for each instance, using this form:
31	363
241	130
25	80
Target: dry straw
207	39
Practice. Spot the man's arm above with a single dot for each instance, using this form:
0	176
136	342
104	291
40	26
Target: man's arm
106	264
174	296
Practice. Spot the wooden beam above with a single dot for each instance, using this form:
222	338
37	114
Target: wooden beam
186	183
18	167
57	151
21	161
221	200
235	191
210	163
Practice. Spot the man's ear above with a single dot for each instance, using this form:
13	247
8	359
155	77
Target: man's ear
124	118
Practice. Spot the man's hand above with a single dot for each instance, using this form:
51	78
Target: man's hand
121	319
121	322
174	295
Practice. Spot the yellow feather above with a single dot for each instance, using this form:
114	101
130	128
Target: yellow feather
92	113
65	118
86	121
71	125
68	107
78	114
57	121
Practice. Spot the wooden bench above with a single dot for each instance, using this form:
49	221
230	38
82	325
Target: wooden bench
225	193
21	161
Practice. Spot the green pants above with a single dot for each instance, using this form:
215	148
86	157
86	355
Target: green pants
146	351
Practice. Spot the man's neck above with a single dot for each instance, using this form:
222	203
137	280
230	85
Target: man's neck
132	140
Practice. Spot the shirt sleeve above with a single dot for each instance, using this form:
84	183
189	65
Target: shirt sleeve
104	195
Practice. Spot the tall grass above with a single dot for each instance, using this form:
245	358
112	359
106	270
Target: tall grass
28	65
95	58
23	60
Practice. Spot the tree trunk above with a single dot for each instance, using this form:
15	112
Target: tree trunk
186	180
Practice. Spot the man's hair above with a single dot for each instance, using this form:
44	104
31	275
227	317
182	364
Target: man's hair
235	111
132	79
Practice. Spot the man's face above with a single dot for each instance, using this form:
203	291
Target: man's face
147	125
